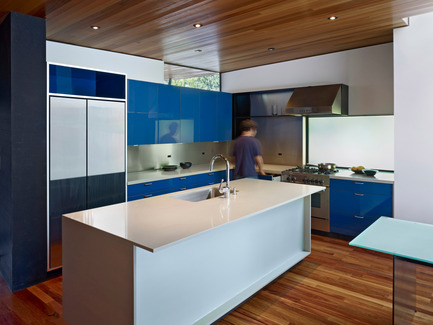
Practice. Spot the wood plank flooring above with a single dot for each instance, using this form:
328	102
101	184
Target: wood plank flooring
336	284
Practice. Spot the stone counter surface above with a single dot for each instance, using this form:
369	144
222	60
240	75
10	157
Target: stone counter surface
158	222
380	177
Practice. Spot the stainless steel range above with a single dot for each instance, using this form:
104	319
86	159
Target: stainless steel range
311	175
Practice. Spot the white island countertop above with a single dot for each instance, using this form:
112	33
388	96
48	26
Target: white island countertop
159	222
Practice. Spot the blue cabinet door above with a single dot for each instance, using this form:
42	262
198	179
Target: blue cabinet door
168	114
142	112
355	205
142	97
361	186
83	82
350	224
208	116
142	128
224	117
189	115
363	204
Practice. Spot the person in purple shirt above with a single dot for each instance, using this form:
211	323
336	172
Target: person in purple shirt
247	152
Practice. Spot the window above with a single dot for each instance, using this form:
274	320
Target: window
189	77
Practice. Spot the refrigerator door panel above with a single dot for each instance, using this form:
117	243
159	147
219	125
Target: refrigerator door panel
66	196
106	137
67	138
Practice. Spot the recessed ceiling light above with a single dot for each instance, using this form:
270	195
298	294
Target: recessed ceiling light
198	25
271	48
198	50
332	17
95	27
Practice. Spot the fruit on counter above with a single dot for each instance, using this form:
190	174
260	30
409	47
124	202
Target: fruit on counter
358	168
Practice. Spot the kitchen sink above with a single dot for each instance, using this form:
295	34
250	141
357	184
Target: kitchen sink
199	195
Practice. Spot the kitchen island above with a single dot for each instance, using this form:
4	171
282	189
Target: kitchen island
168	260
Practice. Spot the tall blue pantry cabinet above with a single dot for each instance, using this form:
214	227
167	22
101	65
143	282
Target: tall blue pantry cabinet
86	145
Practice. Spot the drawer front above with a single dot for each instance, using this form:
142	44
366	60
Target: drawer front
364	204
145	196
350	224
361	186
210	178
180	182
344	201
146	188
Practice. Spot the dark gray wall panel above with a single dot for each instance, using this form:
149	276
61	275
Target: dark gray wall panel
24	149
5	153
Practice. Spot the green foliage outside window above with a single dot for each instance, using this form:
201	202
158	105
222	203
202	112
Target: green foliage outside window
211	82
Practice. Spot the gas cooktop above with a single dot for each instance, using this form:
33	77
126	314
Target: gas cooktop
308	169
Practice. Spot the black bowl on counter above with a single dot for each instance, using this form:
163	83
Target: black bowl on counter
369	172
185	164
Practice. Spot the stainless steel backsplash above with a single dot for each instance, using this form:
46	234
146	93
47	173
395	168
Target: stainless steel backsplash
283	139
151	156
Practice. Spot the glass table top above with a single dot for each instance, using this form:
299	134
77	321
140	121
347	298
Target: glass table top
398	237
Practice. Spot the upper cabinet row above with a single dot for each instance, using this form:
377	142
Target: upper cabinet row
160	113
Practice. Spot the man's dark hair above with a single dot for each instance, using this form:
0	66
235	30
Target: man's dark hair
247	125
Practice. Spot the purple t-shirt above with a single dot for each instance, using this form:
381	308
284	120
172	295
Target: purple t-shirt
245	149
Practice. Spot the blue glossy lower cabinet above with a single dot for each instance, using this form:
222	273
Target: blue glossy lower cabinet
355	205
350	224
150	189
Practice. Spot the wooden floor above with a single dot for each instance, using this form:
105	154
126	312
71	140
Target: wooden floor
336	284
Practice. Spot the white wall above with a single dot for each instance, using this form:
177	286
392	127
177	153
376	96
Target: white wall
135	67
413	89
367	71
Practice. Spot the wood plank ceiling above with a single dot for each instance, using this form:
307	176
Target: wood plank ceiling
235	34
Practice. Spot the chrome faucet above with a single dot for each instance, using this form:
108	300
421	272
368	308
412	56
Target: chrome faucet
226	189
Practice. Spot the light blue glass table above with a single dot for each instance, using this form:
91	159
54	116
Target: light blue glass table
411	243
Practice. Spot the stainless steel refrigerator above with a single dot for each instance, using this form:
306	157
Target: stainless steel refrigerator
86	161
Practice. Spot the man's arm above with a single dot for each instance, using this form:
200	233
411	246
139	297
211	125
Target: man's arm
259	163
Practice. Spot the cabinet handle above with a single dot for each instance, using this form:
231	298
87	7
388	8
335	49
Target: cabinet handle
182	189
359	217
182	178
358	183
147	195
358	194
147	184
211	174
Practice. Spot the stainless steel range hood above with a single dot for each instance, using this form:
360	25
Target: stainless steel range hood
328	100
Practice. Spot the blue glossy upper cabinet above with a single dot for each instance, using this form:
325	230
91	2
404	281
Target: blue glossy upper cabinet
208	116
142	112
189	115
224	117
168	114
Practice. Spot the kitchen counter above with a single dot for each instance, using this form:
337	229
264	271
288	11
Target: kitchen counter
275	169
380	177
158	222
156	174
164	260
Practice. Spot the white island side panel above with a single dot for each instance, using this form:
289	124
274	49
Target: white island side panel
199	280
